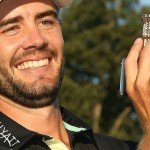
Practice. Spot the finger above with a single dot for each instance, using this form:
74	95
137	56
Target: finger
135	49
131	71
142	81
144	64
131	65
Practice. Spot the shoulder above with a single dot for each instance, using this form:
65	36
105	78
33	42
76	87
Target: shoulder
110	143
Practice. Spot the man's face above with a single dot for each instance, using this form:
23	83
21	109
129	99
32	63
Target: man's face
31	57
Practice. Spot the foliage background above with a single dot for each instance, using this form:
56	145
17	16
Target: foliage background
98	34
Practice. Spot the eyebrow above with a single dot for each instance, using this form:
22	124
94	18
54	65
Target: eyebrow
10	21
46	13
19	18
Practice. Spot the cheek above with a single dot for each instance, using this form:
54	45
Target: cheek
56	41
8	49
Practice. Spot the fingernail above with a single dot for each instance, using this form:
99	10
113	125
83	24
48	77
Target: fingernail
137	40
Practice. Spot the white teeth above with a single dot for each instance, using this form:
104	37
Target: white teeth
22	67
19	67
41	63
33	64
26	65
30	64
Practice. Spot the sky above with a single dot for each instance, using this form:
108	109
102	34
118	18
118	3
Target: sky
144	2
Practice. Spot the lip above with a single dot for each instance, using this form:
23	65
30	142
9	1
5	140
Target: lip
34	74
30	75
39	70
31	58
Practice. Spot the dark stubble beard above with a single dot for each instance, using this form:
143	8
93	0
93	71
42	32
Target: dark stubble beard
25	94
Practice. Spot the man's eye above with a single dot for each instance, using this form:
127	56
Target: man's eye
11	30
47	22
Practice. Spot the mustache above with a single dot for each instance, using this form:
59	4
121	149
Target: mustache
33	51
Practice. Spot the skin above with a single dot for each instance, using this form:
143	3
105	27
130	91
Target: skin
23	43
137	67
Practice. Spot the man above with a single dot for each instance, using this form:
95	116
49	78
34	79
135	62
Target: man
31	72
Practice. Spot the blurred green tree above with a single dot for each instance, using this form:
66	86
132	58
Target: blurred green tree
97	35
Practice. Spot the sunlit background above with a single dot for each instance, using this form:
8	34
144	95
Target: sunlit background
144	2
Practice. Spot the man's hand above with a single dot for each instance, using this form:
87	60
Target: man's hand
137	70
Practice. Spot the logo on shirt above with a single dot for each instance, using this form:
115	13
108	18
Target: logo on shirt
7	137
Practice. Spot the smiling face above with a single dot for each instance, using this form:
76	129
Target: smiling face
31	56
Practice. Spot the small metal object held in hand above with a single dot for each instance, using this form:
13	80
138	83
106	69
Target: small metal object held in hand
146	28
122	77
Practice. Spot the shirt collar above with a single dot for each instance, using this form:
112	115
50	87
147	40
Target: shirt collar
13	135
73	123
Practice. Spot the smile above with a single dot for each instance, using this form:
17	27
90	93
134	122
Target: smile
33	64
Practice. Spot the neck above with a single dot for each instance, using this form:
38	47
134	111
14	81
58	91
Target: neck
47	120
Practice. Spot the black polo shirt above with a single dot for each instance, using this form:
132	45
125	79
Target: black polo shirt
13	136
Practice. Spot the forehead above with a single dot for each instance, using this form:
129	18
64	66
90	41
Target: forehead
7	8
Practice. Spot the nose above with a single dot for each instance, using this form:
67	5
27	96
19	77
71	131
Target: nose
33	38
